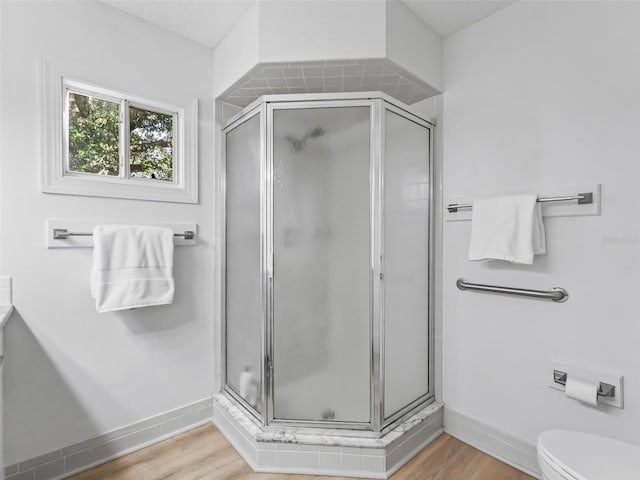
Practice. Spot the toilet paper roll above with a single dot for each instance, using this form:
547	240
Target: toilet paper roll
583	391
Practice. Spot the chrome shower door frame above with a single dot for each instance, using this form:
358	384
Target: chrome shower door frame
378	103
305	103
394	418
238	120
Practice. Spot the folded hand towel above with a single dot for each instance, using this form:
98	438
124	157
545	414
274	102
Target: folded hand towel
507	228
132	267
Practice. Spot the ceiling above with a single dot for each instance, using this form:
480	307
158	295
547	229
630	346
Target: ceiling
208	21
203	21
449	16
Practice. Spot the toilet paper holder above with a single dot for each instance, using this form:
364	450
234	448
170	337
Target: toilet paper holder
604	389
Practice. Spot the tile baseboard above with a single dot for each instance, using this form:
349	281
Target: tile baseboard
493	441
72	459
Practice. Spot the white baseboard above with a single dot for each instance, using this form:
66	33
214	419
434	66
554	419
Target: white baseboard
72	459
493	441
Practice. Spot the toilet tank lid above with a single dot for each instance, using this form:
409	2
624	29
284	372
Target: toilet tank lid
591	457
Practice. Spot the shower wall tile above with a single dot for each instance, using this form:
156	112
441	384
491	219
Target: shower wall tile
267	457
328	449
313	71
329	461
267	446
229	110
354	75
308	459
373	464
287	447
286	459
308	448
351	463
373	452
351	450
295	82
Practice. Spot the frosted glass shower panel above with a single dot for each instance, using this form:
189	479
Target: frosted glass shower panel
406	262
243	289
321	298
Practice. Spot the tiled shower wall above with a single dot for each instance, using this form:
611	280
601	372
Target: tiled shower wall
326	76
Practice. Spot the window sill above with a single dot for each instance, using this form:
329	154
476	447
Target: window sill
135	190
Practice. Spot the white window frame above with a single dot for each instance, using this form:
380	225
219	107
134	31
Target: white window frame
58	179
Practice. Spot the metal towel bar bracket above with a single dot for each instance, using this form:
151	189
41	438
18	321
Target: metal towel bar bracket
556	294
604	389
63	234
582	198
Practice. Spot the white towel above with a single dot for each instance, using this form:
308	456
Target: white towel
132	267
507	228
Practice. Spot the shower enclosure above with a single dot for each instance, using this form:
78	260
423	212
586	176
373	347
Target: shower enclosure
327	262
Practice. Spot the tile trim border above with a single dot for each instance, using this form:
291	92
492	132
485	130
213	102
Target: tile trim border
91	452
493	441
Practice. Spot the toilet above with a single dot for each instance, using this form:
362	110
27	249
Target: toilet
568	455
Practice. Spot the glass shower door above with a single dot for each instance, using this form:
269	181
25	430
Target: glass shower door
406	262
321	264
243	300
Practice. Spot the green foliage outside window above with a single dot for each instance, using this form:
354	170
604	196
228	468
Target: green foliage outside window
151	141
94	129
94	126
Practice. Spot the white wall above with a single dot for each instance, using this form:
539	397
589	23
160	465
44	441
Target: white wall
293	31
544	95
69	372
412	44
431	109
275	31
238	52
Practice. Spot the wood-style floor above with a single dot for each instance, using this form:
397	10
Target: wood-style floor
205	454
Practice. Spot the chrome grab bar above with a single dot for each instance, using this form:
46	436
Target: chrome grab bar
556	294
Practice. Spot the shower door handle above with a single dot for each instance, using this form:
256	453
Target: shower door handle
269	294
269	323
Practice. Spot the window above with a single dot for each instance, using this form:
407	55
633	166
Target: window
102	142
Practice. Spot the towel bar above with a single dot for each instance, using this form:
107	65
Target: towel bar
556	294
63	234
582	198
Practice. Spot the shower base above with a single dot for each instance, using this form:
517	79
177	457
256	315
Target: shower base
326	451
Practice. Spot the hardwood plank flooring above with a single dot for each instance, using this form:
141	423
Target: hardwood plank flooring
204	454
